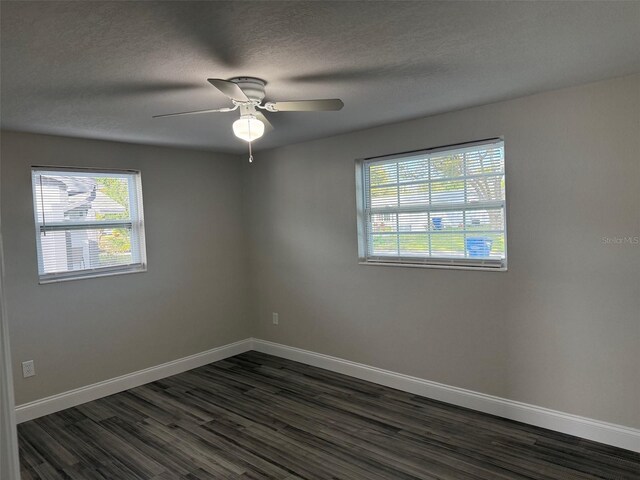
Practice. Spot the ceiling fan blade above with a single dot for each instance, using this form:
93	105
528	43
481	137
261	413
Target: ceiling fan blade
230	89
308	105
267	124
195	112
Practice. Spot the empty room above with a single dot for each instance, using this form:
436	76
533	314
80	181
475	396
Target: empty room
320	240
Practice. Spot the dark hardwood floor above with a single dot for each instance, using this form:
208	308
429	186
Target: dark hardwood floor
255	416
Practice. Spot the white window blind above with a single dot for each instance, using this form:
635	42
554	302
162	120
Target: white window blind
88	222
439	207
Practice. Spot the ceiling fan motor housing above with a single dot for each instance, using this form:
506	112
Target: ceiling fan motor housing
251	86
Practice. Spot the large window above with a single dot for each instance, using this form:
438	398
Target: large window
88	222
439	207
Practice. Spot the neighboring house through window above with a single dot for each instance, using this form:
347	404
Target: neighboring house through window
443	207
88	222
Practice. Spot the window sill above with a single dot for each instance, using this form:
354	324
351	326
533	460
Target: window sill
91	274
439	266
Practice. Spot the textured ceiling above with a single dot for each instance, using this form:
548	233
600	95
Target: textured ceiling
102	69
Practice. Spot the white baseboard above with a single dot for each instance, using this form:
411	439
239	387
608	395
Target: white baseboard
78	396
608	433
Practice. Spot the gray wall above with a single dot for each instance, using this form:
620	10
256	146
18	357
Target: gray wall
560	329
191	299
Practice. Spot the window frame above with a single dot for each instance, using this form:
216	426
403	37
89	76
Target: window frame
426	261
135	224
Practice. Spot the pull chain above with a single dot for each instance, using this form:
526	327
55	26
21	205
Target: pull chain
250	153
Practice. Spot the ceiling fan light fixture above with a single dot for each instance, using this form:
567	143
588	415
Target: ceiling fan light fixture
248	128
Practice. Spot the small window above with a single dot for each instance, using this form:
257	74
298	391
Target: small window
88	223
442	207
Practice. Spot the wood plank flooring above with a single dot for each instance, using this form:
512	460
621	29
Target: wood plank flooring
255	416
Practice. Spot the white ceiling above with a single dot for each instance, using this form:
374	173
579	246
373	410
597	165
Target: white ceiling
102	69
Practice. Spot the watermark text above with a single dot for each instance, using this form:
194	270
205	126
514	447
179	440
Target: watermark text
621	240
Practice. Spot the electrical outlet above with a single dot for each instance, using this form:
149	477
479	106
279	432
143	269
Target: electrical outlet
28	369
275	318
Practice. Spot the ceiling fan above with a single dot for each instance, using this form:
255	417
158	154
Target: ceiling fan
247	95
